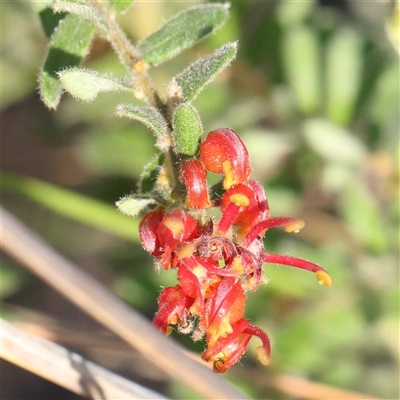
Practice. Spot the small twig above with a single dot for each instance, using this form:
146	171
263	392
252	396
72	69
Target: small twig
97	301
66	368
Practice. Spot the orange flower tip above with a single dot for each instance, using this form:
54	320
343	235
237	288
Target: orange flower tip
175	225
239	199
185	250
263	355
294	226
324	278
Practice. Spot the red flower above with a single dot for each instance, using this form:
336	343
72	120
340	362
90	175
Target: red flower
217	262
173	304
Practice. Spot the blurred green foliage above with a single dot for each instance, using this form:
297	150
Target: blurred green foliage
314	94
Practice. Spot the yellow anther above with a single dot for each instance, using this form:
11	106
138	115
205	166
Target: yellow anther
294	226
324	278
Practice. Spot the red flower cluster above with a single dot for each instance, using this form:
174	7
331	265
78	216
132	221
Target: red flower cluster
217	262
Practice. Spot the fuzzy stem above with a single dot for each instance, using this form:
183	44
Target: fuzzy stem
136	67
129	56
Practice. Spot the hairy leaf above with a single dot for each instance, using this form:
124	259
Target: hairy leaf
187	130
133	205
182	32
86	84
150	117
83	9
69	44
191	81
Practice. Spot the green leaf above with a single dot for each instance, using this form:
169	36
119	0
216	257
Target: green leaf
150	173
363	214
182	32
133	205
81	8
302	62
120	5
69	44
187	130
334	143
384	103
72	205
293	12
344	73
48	19
86	84
191	81
150	117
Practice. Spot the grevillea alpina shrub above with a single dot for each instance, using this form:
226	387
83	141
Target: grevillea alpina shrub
217	260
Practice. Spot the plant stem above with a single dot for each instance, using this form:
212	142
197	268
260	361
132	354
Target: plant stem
129	57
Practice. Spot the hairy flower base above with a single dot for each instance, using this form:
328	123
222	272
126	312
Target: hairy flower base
217	262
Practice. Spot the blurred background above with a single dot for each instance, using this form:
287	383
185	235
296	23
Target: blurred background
314	94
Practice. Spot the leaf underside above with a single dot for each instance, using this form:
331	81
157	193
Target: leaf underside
86	84
147	115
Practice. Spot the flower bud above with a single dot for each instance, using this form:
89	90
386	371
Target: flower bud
223	152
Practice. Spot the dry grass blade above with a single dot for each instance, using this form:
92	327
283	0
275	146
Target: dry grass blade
97	301
67	369
305	389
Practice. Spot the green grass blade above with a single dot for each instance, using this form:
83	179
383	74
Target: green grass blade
80	208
